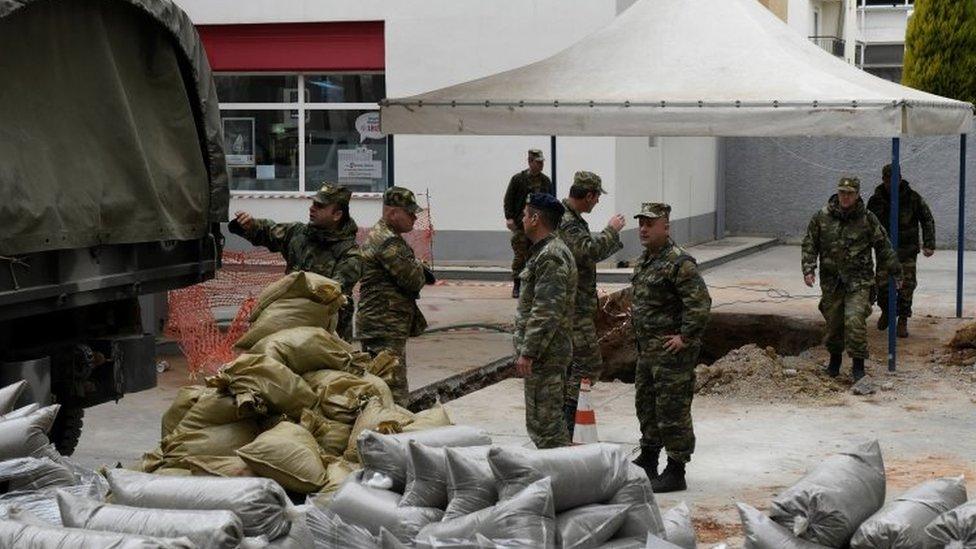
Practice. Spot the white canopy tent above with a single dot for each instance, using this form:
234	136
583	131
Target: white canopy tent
690	68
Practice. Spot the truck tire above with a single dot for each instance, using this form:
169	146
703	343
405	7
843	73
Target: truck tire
67	429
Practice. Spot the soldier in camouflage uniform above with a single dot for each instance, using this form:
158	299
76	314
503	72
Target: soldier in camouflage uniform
588	249
527	181
543	322
842	236
670	312
913	212
391	284
325	246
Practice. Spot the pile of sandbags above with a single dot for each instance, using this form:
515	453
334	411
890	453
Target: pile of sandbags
449	487
840	504
290	406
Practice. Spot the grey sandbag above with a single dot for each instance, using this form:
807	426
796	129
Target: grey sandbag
831	501
901	523
374	508
635	543
588	526
470	484
29	536
643	515
9	395
527	519
260	503
43	504
427	473
21	412
25	435
652	542
217	529
762	533
954	529
299	536
329	530
33	474
678	528
387	454
580	475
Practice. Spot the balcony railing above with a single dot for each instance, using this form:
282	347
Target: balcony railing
835	46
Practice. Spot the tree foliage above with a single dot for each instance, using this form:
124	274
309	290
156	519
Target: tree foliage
940	48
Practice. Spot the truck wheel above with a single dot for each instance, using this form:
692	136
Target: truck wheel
67	429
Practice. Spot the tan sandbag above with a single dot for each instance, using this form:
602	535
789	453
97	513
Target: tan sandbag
332	436
213	408
383	365
288	454
216	440
268	384
376	416
151	461
337	471
173	472
186	397
284	314
312	286
218	466
342	394
307	348
435	416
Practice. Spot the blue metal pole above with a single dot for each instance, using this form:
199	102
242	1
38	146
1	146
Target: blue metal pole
552	153
893	232
961	227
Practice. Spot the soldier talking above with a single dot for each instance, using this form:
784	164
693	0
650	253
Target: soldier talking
530	180
670	312
325	246
588	250
392	280
913	212
543	322
841	236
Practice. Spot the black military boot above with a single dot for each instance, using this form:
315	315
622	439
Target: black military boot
647	460
883	319
857	372
569	413
903	326
517	288
671	480
833	369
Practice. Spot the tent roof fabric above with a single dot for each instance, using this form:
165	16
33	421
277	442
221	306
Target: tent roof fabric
682	68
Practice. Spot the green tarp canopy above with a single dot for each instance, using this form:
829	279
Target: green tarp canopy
109	126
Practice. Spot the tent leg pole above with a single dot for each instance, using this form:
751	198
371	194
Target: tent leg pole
961	227
552	153
893	230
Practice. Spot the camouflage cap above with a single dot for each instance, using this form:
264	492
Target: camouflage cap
544	201
849	184
401	197
588	181
653	210
536	154
330	193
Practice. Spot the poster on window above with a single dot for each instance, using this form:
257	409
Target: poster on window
359	164
239	141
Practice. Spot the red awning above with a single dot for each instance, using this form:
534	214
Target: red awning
333	46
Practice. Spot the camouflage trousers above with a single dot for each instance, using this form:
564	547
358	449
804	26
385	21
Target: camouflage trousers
520	249
544	407
665	386
587	360
344	326
845	313
909	281
373	345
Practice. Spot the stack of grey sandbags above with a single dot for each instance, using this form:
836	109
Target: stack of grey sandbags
840	503
449	487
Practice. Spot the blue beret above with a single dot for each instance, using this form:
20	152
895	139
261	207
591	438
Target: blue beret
543	201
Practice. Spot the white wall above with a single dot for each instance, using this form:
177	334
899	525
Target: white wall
883	24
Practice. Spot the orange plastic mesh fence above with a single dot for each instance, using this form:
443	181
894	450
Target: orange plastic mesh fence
207	318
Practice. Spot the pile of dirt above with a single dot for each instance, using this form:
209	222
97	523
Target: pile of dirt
751	372
965	337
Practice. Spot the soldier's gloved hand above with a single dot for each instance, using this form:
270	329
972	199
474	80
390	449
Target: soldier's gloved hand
927	252
429	277
244	220
809	279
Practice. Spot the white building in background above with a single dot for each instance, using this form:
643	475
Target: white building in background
298	83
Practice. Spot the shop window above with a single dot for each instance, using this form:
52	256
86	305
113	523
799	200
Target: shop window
279	140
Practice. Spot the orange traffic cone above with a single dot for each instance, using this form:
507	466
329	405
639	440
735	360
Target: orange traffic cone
585	430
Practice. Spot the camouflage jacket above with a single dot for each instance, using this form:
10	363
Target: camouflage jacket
518	190
588	250
670	297
544	319
843	241
388	292
913	212
307	248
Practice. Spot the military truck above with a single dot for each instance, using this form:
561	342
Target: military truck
113	185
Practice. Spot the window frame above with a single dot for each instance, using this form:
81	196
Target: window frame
301	106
